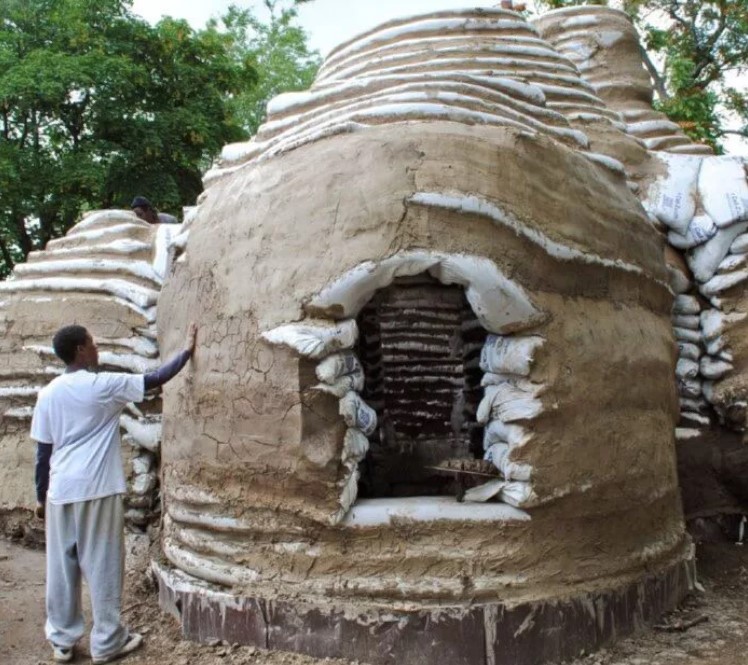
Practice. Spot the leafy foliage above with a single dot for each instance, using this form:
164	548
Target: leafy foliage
277	50
97	105
703	47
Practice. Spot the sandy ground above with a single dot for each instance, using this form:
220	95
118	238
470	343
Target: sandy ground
719	615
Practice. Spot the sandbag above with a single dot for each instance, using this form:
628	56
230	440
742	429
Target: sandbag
672	198
516	493
688	350
686	369
740	244
720	283
714	369
684	304
687	335
701	229
355	445
315	340
689	387
510	354
509	402
483	493
723	189
713	322
731	263
690	321
357	413
339	373
499	432
705	258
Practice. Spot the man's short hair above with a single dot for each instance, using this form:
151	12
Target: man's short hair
67	340
141	202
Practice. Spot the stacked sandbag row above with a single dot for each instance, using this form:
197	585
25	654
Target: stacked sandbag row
703	201
604	45
341	374
105	274
510	398
474	66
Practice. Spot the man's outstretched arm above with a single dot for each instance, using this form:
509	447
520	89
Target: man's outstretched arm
170	369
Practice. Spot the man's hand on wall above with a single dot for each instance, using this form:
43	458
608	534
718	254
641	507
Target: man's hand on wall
189	342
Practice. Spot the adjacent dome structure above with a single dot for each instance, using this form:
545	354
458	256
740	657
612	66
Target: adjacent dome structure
105	274
417	421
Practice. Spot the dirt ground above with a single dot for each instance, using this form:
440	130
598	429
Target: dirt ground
718	620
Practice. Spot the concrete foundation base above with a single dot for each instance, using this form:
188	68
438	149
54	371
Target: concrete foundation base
486	634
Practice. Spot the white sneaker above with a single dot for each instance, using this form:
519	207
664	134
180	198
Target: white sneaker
135	641
62	654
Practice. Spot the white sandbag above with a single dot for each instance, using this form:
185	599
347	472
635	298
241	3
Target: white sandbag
679	283
686	369
341	386
705	258
337	365
727	356
355	445
684	304
339	373
496	453
357	413
483	493
688	350
672	198
509	402
707	389
685	433
689	387
499	432
686	335
715	346
315	340
145	433
509	355
720	283
732	262
516	493
515	470
723	189
740	244
714	369
690	321
701	229
713	322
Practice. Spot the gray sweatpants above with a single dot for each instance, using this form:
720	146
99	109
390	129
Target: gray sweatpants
86	538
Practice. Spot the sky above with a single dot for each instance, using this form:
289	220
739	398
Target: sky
329	22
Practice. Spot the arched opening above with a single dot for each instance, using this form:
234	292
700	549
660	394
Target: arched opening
419	345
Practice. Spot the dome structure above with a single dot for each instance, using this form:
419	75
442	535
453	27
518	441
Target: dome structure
417	416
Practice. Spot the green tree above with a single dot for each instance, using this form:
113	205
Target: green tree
703	46
97	105
278	51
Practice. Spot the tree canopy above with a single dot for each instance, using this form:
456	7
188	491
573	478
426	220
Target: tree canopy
278	51
97	105
702	46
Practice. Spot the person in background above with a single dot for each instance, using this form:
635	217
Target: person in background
80	483
143	209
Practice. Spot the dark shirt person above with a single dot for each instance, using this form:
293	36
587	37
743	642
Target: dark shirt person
143	209
80	483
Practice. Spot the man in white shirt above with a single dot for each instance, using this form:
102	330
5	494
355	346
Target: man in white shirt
79	469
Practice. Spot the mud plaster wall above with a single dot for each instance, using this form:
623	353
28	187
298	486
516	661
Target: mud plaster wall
248	452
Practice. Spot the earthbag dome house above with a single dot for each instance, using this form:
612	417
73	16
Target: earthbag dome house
418	272
105	274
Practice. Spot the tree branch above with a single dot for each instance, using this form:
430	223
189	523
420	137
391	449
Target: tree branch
659	82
